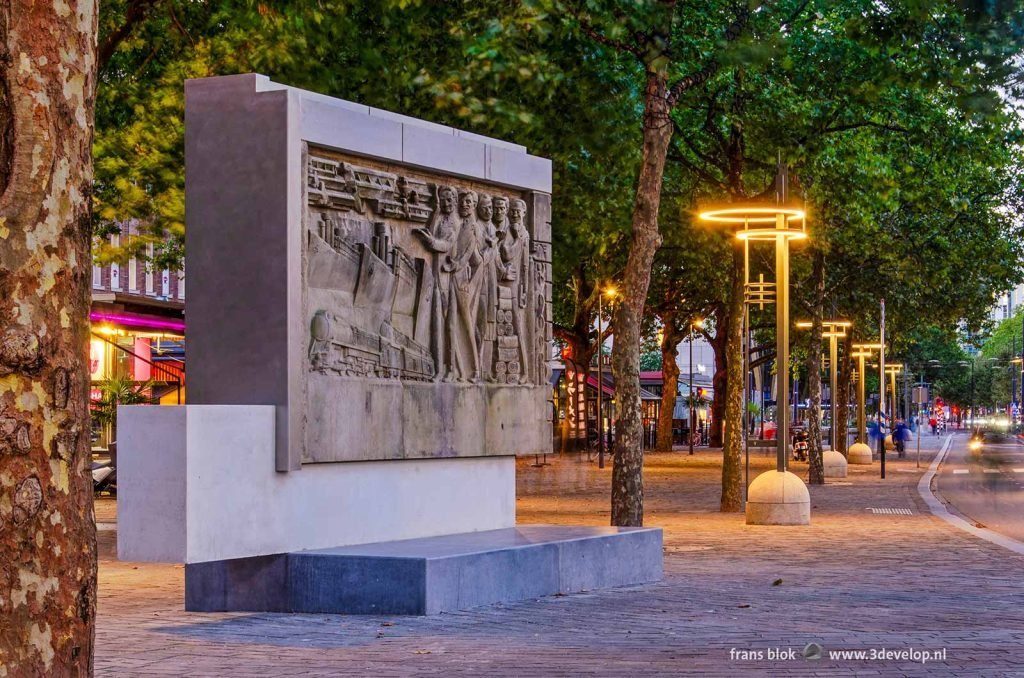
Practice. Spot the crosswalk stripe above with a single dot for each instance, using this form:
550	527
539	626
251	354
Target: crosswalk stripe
991	470
959	471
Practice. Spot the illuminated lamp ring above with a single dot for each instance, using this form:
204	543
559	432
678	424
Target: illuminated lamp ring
771	233
752	215
870	347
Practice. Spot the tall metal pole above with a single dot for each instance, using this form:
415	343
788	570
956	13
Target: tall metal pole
972	396
881	386
906	396
782	340
600	383
862	423
833	353
746	369
692	427
920	432
746	399
1013	371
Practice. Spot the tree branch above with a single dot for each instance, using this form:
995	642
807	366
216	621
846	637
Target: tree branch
599	37
866	123
701	76
133	16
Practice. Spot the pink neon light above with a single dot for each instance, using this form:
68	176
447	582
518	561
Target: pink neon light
137	321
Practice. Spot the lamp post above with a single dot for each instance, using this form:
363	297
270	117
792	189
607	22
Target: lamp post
892	370
610	291
860	452
833	330
775	497
693	325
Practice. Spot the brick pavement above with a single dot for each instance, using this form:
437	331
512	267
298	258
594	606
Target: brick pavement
851	580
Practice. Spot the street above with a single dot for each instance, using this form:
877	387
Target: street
875	571
986	486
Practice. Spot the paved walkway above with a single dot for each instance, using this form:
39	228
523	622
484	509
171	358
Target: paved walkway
853	580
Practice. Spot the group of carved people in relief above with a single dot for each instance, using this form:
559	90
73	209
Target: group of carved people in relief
481	276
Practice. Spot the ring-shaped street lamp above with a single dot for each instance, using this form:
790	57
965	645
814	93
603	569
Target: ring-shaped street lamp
833	330
755	214
779	223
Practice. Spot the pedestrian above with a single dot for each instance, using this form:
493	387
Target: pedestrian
900	435
934	423
874	431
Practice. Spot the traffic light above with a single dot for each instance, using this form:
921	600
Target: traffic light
700	392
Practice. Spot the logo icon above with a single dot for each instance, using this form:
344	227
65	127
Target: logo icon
812	651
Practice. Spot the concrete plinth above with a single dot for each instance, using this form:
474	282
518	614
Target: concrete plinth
859	453
835	464
778	498
432	575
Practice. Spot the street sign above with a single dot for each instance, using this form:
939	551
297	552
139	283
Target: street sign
920	395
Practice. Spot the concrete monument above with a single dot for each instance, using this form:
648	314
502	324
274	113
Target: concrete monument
369	329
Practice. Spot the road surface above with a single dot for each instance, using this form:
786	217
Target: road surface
986	486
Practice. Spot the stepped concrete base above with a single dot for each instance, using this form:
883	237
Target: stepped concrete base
834	463
859	453
431	575
778	498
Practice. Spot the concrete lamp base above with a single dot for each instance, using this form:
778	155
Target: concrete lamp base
834	463
778	498
859	453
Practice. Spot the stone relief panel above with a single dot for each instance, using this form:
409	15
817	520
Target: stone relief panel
413	277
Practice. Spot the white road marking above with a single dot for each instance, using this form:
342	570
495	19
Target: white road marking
1018	470
991	470
960	471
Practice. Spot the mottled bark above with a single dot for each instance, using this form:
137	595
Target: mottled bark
732	459
627	470
719	346
47	530
816	471
842	398
671	336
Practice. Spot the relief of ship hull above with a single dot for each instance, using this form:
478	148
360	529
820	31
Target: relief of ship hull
376	337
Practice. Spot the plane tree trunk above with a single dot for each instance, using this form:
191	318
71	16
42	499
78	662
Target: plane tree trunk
627	469
47	529
671	336
732	459
816	472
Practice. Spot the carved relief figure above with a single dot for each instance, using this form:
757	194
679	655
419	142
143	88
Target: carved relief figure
488	306
415	280
439	238
514	253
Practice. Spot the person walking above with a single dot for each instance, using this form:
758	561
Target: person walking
900	436
934	423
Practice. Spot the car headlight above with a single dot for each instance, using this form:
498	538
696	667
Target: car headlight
974	445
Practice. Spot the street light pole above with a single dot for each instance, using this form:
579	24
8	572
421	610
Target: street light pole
775	497
600	382
782	341
691	427
881	385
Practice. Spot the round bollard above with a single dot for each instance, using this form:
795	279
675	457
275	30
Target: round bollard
834	463
888	443
859	453
778	498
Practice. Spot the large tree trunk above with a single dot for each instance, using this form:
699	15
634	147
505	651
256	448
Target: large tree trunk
720	379
732	459
842	398
670	381
627	470
47	530
816	472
